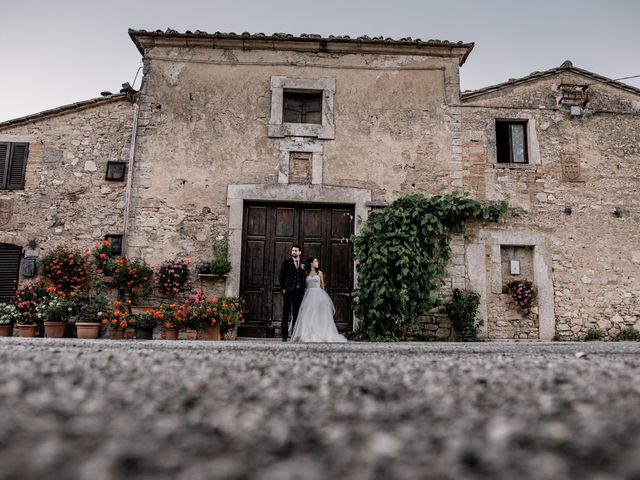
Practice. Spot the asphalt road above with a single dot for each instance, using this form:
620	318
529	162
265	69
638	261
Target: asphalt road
101	409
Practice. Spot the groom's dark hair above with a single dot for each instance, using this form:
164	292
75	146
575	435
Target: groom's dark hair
295	245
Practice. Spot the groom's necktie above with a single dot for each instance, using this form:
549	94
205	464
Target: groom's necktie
296	262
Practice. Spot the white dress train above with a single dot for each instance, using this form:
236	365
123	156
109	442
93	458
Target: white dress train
315	318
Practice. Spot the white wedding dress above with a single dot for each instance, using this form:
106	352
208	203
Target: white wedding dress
315	318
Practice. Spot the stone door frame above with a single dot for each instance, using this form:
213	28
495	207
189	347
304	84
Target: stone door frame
237	194
486	248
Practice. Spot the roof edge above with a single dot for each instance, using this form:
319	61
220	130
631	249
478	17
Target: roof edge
305	42
63	109
565	67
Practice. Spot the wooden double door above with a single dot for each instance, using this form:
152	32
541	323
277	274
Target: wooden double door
269	230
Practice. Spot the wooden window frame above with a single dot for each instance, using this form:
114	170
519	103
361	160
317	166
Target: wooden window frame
6	164
278	128
509	142
305	97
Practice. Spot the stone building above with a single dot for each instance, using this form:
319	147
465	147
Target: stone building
563	147
283	139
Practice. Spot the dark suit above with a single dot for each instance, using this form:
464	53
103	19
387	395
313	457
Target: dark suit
292	282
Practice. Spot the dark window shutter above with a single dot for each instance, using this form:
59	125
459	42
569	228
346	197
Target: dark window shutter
9	268
4	163
15	177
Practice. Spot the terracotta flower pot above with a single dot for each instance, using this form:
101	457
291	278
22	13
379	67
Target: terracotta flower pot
54	329
231	334
128	333
116	333
171	334
87	330
27	330
144	333
192	334
6	330
211	333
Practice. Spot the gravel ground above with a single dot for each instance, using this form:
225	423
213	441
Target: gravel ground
237	410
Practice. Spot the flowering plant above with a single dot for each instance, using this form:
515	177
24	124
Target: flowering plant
119	316
54	309
172	276
26	299
9	314
66	269
170	315
523	293
102	258
144	320
90	307
131	275
201	311
232	313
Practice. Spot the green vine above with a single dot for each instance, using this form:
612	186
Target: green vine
402	253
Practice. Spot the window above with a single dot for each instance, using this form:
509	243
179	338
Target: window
302	107
13	160
9	270
115	171
511	142
116	243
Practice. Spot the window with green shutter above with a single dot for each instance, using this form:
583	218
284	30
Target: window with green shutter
13	161
9	268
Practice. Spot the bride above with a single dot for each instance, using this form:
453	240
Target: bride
315	319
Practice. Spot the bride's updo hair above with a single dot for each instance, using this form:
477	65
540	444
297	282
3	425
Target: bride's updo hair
309	262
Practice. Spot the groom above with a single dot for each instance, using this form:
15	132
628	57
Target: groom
292	282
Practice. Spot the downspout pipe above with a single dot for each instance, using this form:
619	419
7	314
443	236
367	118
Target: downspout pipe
127	195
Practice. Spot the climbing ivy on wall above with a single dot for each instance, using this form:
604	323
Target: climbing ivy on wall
402	253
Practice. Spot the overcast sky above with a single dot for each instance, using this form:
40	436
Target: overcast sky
57	52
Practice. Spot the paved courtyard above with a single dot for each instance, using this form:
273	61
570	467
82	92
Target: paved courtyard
239	410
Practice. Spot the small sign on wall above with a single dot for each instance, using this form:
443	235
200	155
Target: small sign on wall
515	267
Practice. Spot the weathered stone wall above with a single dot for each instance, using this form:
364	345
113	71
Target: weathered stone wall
204	117
66	199
594	251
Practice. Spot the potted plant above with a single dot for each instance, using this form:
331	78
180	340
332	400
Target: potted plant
173	276
118	320
171	317
144	324
9	315
26	299
55	312
220	264
202	313
232	314
132	277
90	308
67	270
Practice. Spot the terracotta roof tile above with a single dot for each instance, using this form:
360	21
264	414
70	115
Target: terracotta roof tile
64	109
169	32
566	66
